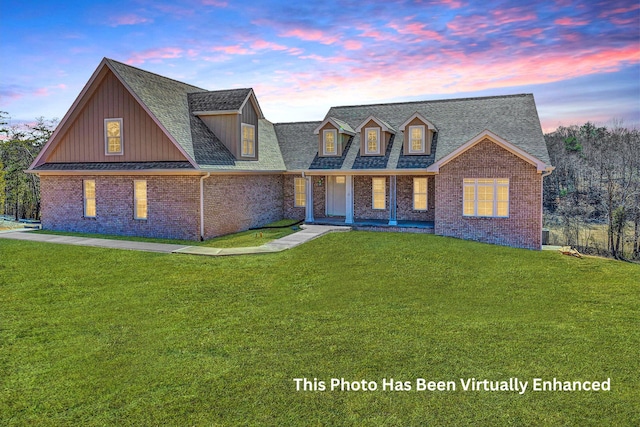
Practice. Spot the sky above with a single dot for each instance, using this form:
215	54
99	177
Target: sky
580	58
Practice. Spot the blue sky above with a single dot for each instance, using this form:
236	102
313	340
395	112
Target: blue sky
581	59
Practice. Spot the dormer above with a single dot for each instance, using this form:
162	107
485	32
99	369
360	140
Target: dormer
333	135
375	135
232	115
418	135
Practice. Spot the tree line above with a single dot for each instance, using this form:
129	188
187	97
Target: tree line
596	185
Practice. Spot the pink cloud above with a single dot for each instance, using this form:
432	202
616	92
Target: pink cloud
308	34
619	11
623	22
215	3
525	34
511	15
570	22
352	45
416	29
232	50
367	31
264	44
154	55
129	19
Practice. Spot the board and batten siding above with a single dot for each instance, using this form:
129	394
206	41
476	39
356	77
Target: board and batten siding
142	138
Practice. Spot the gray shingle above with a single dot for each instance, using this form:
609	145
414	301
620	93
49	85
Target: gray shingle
218	100
297	143
114	166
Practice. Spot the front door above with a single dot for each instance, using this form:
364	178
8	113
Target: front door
336	195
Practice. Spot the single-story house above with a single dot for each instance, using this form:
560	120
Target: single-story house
143	155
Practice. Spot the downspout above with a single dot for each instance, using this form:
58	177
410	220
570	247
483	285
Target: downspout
202	178
544	174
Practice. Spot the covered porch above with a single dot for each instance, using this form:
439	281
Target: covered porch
426	227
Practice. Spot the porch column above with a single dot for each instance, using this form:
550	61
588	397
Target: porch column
349	200
392	200
308	207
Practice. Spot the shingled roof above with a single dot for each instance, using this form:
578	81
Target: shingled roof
218	100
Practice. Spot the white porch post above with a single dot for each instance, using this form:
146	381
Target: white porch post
349	200
308	210
392	201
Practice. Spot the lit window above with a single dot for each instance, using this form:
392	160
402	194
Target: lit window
329	137
300	196
420	194
113	136
373	141
416	139
248	140
379	193
486	197
341	179
140	199
89	198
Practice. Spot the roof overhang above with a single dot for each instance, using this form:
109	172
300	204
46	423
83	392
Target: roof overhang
384	126
335	124
487	134
362	172
420	117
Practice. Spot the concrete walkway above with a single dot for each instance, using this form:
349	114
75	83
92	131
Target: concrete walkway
307	233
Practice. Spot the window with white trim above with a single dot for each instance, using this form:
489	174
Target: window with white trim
372	145
329	146
420	193
416	139
89	191
486	197
379	193
248	140
300	196
113	136
140	205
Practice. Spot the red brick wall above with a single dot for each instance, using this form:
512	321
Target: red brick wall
290	211
404	194
235	203
363	199
319	201
487	160
173	206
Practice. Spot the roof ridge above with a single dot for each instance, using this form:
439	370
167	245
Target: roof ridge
221	90
433	101
298	123
155	74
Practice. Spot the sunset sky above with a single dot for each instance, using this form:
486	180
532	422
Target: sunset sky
580	58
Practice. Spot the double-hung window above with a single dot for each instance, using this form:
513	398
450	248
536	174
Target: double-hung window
372	144
89	191
140	199
420	193
113	136
486	197
248	140
300	197
379	193
416	139
329	137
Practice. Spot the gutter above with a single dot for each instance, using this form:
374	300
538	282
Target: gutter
202	178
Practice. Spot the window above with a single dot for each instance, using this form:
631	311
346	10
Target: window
379	193
416	139
300	196
113	136
373	141
486	197
89	198
248	140
329	146
420	194
140	199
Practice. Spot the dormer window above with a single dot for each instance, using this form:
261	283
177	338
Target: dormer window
248	140
329	137
373	141
113	136
416	139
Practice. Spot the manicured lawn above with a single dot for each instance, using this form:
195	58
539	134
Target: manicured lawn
243	239
94	336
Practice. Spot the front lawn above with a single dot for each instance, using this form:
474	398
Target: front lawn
93	336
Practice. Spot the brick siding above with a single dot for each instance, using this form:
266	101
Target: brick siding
319	201
363	199
290	211
404	194
173	206
235	203
488	160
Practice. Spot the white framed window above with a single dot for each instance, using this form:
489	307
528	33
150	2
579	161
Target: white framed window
486	197
89	192
300	194
329	146
248	140
140	205
420	193
372	143
416	139
379	193
113	137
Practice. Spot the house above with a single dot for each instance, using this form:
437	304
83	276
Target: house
141	154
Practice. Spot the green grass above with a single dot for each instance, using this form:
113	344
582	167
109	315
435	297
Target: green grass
94	336
236	240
